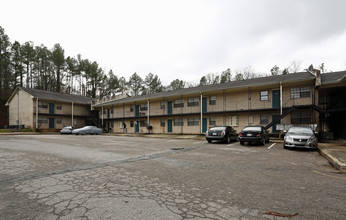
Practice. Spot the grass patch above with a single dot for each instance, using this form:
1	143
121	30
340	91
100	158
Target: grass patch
5	130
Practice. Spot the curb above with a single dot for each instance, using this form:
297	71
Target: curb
334	161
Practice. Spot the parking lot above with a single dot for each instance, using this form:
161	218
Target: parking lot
117	177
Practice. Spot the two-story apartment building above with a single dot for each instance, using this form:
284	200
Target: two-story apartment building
298	98
257	101
37	109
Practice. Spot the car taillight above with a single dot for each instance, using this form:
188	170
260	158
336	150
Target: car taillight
258	135
223	133
240	134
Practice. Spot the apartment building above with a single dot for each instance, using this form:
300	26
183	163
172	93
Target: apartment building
267	101
37	109
305	98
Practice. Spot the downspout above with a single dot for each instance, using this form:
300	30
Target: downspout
280	99
72	116
148	111
201	126
18	109
36	112
102	116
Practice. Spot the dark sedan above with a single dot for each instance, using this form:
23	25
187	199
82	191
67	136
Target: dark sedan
221	133
254	134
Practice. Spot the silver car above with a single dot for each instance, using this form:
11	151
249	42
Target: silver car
300	137
66	130
87	130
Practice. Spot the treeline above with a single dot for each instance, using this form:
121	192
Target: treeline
31	66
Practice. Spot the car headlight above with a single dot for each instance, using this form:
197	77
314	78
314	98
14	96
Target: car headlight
312	139
288	138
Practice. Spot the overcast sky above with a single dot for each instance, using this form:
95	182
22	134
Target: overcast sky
185	39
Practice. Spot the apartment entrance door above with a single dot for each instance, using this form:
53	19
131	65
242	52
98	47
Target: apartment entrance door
169	125
276	98
51	122
204	125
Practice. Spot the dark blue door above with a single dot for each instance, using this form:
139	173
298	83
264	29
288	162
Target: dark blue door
137	126
204	105
51	123
51	108
169	125
137	110
276	98
169	108
204	125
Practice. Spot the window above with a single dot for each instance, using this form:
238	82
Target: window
112	110
179	103
42	104
42	120
162	122
212	121
120	124
264	96
264	119
193	121
144	107
143	123
250	119
233	120
58	120
193	102
131	108
301	118
131	124
301	92
179	122
162	106
58	106
212	100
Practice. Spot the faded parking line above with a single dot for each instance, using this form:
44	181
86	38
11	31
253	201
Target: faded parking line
232	144
271	146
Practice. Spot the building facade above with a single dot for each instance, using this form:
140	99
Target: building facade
37	109
283	99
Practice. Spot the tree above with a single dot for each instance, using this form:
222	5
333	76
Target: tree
295	66
285	71
17	63
112	83
177	84
322	68
5	63
122	84
135	85
152	84
71	66
275	70
203	81
58	59
226	76
28	54
238	77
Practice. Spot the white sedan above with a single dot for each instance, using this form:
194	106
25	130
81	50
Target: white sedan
87	130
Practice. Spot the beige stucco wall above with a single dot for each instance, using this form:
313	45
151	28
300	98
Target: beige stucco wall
25	110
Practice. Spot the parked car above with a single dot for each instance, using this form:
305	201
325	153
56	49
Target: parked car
66	130
87	130
300	137
254	134
221	133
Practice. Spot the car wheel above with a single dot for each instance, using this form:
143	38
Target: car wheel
242	142
228	140
263	141
209	141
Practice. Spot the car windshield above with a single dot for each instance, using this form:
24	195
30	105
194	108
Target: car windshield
252	129
218	128
300	130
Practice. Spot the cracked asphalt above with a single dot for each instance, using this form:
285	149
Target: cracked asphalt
114	177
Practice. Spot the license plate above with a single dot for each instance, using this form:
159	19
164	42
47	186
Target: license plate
214	134
249	135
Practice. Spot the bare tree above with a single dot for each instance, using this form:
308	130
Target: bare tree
295	66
